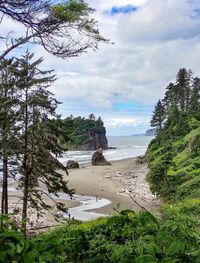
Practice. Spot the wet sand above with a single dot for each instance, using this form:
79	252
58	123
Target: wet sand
103	182
123	183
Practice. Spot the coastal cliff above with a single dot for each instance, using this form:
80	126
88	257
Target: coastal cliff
96	140
84	133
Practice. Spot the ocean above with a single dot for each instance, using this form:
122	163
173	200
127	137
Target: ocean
126	147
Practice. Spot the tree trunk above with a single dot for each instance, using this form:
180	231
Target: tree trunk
4	201
25	197
5	187
25	168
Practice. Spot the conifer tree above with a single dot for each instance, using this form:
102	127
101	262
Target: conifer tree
195	99
99	120
8	128
170	100
158	117
183	82
92	117
39	140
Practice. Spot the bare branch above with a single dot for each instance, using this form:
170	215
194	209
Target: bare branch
65	35
142	207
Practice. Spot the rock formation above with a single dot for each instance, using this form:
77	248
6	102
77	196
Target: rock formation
71	164
84	134
99	159
96	141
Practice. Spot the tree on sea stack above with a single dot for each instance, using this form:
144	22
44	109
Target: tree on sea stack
63	28
39	138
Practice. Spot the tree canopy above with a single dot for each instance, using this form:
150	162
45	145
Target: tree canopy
63	28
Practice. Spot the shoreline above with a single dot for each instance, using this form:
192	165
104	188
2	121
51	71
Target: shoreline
123	184
108	181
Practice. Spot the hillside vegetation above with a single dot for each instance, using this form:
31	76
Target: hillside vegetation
174	155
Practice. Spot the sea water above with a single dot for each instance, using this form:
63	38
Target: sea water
122	147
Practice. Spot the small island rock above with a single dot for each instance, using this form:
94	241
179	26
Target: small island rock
71	164
99	159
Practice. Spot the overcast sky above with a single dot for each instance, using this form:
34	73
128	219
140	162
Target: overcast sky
122	82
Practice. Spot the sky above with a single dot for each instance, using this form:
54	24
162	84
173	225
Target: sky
122	82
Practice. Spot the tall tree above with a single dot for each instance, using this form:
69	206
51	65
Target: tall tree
62	28
8	128
158	117
195	99
183	82
40	143
171	97
92	117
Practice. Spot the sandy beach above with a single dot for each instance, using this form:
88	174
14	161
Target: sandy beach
123	183
114	182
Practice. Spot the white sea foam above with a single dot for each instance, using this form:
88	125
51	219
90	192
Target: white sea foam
81	212
126	147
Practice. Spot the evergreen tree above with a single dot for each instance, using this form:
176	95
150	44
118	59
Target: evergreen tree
183	83
195	99
92	117
8	128
158	117
170	100
40	144
100	121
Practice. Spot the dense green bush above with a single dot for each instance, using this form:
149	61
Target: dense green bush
126	237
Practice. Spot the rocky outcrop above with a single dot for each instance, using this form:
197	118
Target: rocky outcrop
84	134
141	159
71	164
96	140
99	159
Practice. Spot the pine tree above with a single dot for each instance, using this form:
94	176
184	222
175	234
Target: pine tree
40	144
99	120
170	100
183	82
195	99
158	117
92	117
8	128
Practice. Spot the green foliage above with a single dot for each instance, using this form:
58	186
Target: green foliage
158	116
126	237
181	131
13	247
71	11
81	131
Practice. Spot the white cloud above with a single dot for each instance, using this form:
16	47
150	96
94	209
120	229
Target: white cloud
160	21
150	46
123	122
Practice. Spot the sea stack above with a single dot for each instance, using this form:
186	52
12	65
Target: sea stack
99	159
